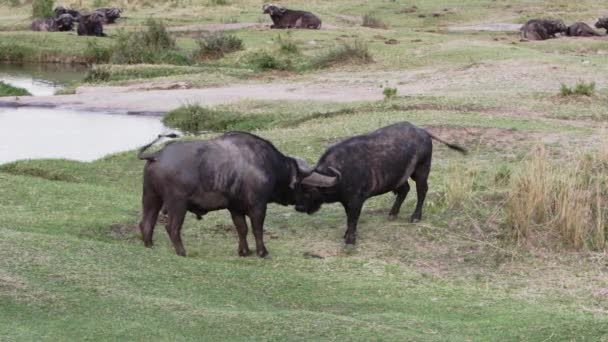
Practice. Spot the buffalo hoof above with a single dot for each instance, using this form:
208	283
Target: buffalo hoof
415	219
350	239
392	217
262	253
244	252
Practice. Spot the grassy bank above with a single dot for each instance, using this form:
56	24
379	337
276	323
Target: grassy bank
457	275
9	90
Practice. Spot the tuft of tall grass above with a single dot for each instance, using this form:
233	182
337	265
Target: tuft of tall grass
459	182
356	52
370	20
265	60
579	89
217	44
566	199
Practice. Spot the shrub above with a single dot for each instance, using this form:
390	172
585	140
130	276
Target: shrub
152	46
217	44
9	90
42	8
218	2
264	60
389	93
347	53
195	119
580	89
566	199
369	20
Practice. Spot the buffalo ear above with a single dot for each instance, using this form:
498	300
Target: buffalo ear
320	180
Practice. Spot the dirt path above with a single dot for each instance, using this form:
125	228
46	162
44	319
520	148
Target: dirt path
134	100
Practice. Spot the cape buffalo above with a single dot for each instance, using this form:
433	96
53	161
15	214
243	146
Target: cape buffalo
602	23
369	165
64	22
580	30
110	14
286	18
541	29
237	171
91	25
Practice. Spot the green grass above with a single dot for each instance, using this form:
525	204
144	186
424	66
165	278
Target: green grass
9	90
73	266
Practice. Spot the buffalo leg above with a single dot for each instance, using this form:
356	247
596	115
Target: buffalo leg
241	227
177	214
257	216
401	195
353	211
151	206
420	176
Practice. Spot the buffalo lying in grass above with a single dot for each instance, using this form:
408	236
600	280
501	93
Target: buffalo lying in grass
283	18
369	165
541	29
581	30
91	24
236	171
602	23
65	22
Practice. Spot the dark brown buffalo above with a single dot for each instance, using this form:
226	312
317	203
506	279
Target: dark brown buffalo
283	18
110	14
369	165
602	23
581	30
91	24
541	29
236	171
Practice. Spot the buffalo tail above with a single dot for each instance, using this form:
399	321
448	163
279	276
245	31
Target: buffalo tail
452	146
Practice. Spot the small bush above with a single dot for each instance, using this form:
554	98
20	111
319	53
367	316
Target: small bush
347	53
42	8
389	93
369	20
194	119
264	60
9	90
580	89
217	44
152	46
218	2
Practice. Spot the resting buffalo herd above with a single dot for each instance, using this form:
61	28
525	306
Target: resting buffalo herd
541	29
242	172
89	23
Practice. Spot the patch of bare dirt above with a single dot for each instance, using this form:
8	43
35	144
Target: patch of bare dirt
508	27
122	231
495	137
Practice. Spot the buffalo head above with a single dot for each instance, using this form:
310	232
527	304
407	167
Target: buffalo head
312	190
273	9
